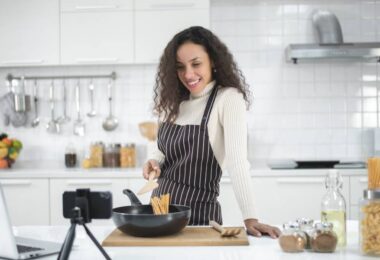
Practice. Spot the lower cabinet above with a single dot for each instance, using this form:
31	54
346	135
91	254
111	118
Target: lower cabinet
27	200
58	186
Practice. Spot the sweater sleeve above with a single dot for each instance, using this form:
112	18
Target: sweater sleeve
155	153
234	121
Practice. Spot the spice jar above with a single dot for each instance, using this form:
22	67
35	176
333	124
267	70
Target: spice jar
323	239
70	156
306	225
292	239
128	155
96	154
369	236
111	156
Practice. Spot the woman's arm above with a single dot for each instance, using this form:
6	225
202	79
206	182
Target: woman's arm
234	123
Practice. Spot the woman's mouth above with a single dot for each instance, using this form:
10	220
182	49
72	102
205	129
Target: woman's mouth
193	84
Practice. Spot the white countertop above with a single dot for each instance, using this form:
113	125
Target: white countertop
48	169
259	248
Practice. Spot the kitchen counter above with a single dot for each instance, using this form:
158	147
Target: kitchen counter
57	170
259	248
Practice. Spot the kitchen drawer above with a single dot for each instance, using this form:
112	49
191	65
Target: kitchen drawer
171	4
280	199
58	186
27	200
358	184
95	5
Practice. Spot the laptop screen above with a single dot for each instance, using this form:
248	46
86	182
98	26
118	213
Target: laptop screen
8	246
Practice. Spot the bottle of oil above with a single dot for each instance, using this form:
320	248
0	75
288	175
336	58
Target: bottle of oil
334	206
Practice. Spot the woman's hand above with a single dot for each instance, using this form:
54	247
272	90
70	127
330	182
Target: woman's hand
151	165
255	228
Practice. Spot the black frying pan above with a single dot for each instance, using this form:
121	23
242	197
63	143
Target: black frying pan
139	220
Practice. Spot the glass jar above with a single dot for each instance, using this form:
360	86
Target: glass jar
323	239
96	154
369	226
111	156
306	225
70	156
128	155
292	239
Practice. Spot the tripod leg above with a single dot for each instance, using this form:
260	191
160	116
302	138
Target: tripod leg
96	242
68	244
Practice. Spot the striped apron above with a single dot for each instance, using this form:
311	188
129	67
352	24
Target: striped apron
190	172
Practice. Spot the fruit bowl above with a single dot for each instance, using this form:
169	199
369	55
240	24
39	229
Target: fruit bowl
9	150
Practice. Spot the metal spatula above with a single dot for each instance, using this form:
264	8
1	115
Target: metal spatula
150	185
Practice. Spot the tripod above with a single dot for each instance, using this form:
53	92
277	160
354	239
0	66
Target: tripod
68	244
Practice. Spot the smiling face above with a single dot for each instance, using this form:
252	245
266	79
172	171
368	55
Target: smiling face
194	67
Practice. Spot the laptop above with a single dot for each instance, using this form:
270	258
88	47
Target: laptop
12	247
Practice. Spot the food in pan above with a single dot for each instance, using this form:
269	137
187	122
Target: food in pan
160	204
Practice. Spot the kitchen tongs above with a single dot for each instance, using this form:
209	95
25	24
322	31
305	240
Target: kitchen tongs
150	185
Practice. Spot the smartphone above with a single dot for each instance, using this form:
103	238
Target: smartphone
99	203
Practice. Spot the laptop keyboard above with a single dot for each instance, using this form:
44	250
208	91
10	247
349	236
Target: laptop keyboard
26	249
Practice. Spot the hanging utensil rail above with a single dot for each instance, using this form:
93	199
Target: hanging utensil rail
11	77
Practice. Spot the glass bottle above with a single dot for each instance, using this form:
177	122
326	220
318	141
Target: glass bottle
306	225
323	239
333	208
369	225
70	156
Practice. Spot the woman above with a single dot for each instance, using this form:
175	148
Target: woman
201	98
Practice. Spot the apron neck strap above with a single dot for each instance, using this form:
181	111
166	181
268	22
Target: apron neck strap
209	105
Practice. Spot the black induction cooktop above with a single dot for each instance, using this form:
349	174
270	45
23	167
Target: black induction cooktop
315	164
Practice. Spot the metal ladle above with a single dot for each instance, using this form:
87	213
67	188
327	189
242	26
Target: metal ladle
111	122
79	125
64	118
52	126
91	87
36	120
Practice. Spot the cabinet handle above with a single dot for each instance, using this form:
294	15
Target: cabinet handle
97	60
15	62
299	180
88	182
15	183
363	180
92	7
172	5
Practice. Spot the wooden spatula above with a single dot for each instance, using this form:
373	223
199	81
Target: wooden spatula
150	185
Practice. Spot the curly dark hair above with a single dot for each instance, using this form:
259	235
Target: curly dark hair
169	91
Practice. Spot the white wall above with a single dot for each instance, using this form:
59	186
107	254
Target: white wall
314	110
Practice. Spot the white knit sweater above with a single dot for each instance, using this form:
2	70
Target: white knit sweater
227	129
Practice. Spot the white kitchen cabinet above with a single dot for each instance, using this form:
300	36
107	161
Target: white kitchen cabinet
230	209
58	186
281	199
158	21
103	37
30	32
27	200
358	184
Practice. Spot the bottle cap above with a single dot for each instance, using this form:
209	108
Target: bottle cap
291	225
305	221
324	225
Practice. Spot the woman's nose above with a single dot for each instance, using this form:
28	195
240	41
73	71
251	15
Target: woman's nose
189	73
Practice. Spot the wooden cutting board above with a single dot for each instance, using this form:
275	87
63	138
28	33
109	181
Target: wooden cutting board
189	236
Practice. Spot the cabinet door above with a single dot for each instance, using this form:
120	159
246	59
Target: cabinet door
59	186
358	184
97	37
230	209
30	32
27	201
157	26
282	199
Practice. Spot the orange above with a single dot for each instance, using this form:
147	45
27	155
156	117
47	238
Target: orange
3	164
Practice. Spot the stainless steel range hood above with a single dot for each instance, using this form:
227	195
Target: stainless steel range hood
331	45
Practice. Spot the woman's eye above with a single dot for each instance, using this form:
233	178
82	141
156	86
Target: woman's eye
179	67
196	64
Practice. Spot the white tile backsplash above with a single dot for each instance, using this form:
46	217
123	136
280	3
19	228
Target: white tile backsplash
313	110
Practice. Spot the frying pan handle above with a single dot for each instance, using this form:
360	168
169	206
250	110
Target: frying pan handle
132	197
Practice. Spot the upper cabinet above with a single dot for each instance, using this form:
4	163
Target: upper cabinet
30	32
96	32
73	32
158	21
